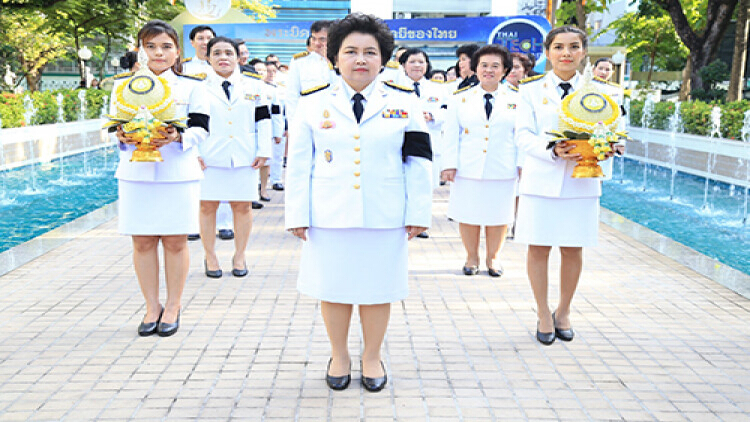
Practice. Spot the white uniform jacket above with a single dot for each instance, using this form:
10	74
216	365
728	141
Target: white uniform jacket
373	174
618	95
544	174
434	101
393	72
274	95
307	71
180	159
476	147
196	66
240	127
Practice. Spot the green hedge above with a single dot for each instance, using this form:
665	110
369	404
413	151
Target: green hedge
696	116
11	106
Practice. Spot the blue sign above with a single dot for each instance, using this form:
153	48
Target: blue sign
523	34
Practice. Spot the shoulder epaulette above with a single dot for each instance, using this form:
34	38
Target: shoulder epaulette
604	81
301	55
513	87
251	74
313	90
187	59
392	64
330	66
531	79
124	75
466	88
437	82
196	76
398	87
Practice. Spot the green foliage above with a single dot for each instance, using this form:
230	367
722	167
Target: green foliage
712	74
11	106
639	32
696	116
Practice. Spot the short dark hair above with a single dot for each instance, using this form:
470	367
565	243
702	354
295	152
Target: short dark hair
320	25
468	49
605	59
363	24
307	41
255	61
525	61
155	28
412	52
565	30
271	55
200	28
216	40
493	50
129	60
436	72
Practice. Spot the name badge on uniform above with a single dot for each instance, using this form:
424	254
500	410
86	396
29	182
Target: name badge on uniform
395	114
252	97
433	100
329	155
327	124
511	106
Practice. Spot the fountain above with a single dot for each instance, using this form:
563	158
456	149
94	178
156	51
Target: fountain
648	111
3	174
745	134
711	162
60	109
60	119
82	101
105	107
28	116
81	117
675	126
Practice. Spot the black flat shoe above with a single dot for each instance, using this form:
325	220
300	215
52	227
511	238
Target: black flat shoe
564	335
423	235
194	236
226	234
265	198
374	385
544	338
166	329
337	383
240	272
473	270
495	273
256	205
212	273
149	328
277	186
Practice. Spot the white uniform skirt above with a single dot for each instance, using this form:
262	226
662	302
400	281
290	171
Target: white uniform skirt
229	184
355	266
543	221
482	202
153	208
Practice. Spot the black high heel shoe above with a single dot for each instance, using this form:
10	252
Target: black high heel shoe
337	383
240	272
564	335
211	273
149	328
166	329
495	272
471	270
374	385
544	338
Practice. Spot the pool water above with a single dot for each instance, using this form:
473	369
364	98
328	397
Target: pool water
715	230
31	206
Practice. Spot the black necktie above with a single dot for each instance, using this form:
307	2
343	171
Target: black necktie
566	89
488	105
358	108
225	85
416	89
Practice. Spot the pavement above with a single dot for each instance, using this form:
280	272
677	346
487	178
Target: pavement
655	340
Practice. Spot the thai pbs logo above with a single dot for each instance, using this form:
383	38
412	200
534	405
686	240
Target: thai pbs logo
521	36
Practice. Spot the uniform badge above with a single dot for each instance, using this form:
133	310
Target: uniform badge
544	101
327	124
463	100
395	114
326	114
433	100
252	97
329	155
511	106
466	131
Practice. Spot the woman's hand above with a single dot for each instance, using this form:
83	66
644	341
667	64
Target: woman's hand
448	175
124	137
414	230
300	232
562	150
428	117
202	163
167	135
259	162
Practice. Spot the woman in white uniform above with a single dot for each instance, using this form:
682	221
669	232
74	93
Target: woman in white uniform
238	145
358	187
480	158
158	202
554	209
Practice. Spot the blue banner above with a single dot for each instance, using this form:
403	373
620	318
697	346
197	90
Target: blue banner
523	34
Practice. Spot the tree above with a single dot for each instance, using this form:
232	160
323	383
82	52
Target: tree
575	12
34	41
739	58
701	37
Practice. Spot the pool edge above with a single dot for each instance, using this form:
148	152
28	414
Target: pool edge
711	268
40	245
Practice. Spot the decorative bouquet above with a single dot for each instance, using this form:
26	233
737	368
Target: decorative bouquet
588	120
